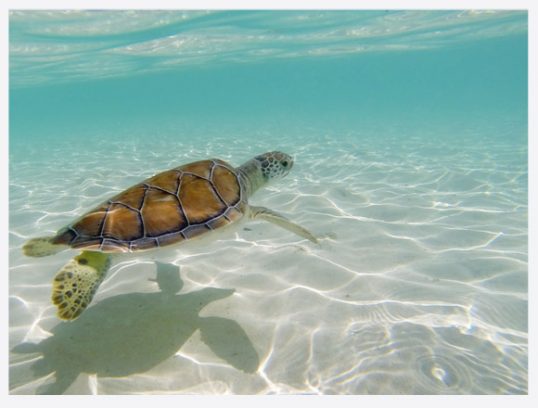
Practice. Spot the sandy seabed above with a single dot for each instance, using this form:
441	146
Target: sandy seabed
418	285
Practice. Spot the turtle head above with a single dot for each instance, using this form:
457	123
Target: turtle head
274	165
263	168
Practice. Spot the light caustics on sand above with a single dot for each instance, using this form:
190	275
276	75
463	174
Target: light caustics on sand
387	273
418	284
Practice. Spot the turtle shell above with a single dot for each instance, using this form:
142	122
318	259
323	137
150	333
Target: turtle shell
170	207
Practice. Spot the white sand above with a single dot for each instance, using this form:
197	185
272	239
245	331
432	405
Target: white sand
419	284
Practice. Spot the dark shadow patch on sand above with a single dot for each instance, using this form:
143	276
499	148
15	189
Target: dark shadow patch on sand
131	333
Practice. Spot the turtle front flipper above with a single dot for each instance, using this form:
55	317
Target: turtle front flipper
75	284
42	246
277	219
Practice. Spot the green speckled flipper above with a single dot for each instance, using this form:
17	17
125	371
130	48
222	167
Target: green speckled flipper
76	283
42	246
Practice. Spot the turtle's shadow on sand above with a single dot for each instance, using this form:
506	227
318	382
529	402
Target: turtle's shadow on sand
131	333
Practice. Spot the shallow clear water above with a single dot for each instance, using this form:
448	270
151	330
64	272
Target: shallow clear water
409	133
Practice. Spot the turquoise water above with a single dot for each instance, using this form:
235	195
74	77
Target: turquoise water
409	134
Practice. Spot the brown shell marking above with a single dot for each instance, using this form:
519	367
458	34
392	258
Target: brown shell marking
169	207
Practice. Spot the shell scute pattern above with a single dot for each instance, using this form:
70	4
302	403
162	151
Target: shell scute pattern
169	207
200	191
92	223
121	221
132	198
200	169
224	184
167	181
161	213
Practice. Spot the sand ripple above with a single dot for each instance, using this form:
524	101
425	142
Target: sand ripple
419	283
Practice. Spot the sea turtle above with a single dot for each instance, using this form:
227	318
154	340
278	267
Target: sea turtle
169	208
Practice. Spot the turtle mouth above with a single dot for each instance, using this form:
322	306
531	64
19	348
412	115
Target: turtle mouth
287	165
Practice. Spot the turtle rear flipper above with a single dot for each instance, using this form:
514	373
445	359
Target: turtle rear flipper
277	219
41	246
76	283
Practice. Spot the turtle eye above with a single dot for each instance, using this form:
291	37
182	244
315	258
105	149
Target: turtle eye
285	163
